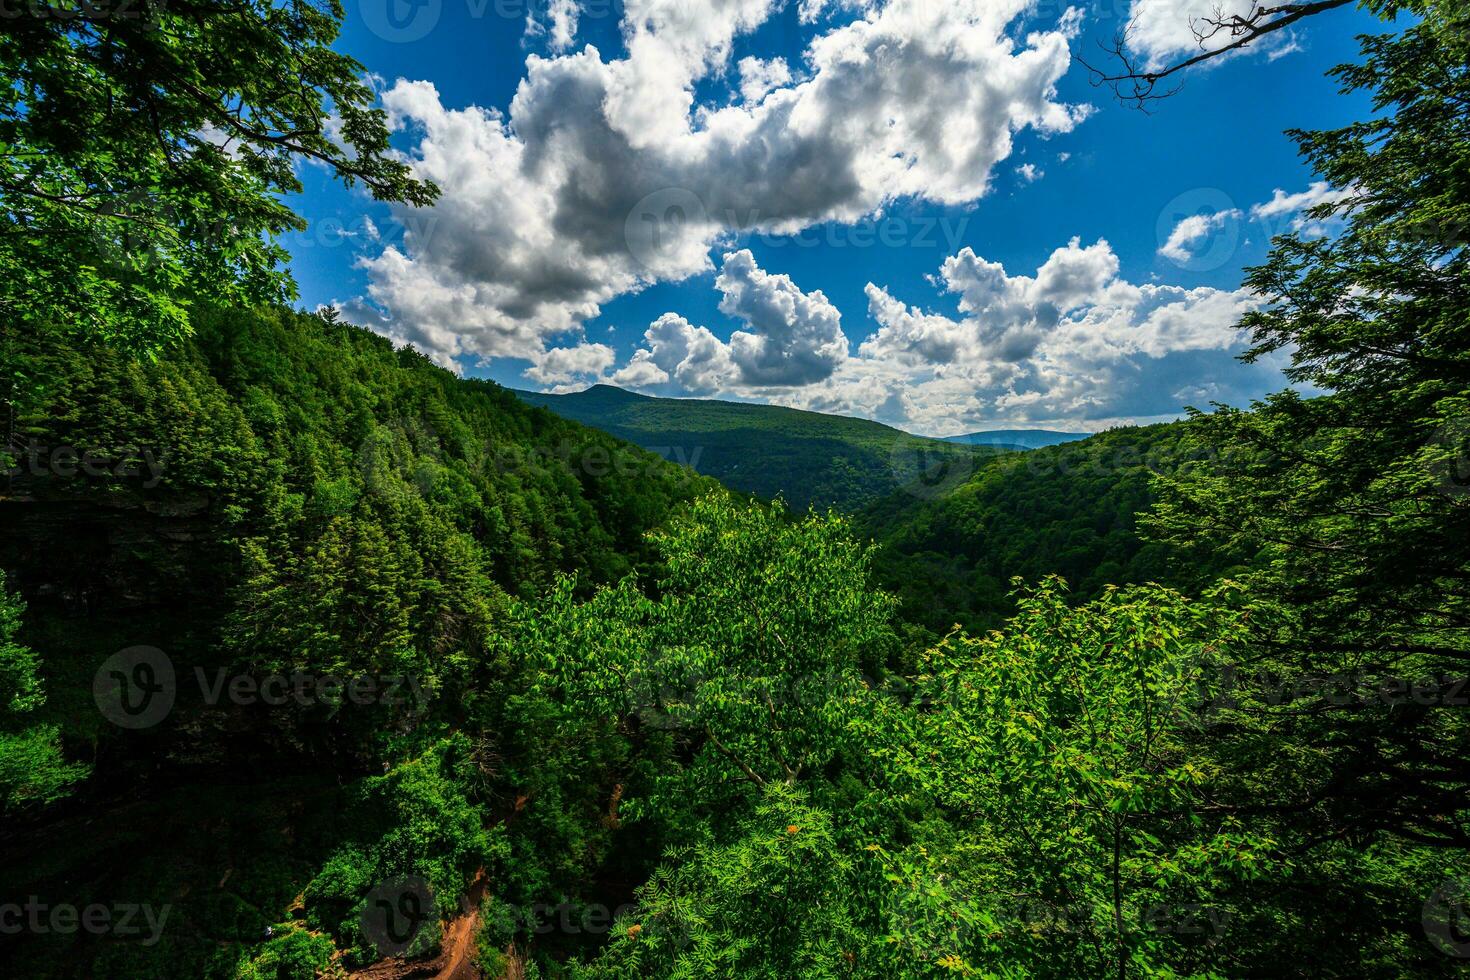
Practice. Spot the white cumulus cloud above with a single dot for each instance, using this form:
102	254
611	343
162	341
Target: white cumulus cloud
788	338
1192	230
792	338
1072	341
677	351
1284	206
757	77
566	365
559	26
603	176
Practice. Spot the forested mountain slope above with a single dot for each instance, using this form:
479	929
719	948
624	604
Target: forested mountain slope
280	496
281	424
809	458
318	662
1069	510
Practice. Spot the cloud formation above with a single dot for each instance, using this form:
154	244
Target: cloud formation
568	365
1290	206
1283	212
789	338
559	26
1072	341
1192	230
758	76
604	176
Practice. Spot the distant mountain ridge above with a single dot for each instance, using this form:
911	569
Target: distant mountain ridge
809	458
1070	509
1018	438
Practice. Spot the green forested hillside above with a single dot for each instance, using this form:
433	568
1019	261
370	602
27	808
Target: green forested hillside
317	661
281	495
810	459
301	440
1070	510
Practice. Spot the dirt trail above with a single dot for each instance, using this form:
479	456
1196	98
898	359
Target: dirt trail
456	959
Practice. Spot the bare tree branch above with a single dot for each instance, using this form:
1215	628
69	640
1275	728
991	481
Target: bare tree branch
1140	86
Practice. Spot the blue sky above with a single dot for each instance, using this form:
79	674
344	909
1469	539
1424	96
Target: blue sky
918	211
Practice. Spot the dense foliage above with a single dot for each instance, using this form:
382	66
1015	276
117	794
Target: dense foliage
1069	510
808	459
1356	499
560	708
145	147
33	768
283	495
1045	801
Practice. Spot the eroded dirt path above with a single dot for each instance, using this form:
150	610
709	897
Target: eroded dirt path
456	959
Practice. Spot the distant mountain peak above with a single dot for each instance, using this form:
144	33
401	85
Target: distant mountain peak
607	389
1024	438
600	392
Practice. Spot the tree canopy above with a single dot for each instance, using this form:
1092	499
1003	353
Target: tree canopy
1355	498
145	146
650	727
